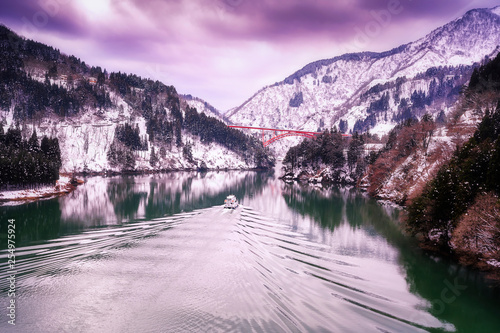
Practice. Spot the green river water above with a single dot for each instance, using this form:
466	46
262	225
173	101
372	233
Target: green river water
158	253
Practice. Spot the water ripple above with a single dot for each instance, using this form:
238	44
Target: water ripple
211	270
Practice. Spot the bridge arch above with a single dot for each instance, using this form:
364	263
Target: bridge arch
284	135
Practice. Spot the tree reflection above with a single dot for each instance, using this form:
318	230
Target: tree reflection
454	294
34	221
125	197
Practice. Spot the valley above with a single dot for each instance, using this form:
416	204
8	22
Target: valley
115	182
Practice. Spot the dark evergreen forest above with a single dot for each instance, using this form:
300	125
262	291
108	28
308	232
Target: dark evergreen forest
328	149
28	162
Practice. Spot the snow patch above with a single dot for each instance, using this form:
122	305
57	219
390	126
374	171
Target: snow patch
493	262
15	197
496	10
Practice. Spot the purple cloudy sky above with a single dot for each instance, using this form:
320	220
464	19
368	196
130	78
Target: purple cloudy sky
224	50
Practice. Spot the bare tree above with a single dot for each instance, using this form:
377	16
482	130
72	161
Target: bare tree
478	231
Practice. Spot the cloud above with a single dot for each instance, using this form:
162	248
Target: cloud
297	19
281	21
223	50
37	17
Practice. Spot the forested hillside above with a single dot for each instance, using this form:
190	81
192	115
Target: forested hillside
446	170
460	208
416	149
330	157
28	74
447	173
112	121
413	151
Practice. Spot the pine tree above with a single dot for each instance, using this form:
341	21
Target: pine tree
33	142
178	135
2	134
52	71
163	152
153	159
27	163
112	154
129	160
14	137
45	145
355	150
187	152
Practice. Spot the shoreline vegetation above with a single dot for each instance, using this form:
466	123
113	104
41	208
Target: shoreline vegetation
67	183
443	169
445	175
16	195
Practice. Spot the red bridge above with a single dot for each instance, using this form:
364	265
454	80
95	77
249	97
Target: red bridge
284	133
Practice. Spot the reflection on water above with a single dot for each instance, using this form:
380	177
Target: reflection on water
102	202
158	253
36	220
356	225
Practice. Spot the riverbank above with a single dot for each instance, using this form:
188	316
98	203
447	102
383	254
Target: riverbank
461	253
66	184
323	175
490	267
112	173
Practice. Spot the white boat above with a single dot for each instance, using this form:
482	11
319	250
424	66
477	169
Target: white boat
231	202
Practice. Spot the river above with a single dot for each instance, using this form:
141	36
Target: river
158	253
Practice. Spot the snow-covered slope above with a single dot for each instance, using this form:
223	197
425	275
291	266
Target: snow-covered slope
113	121
202	106
347	88
85	140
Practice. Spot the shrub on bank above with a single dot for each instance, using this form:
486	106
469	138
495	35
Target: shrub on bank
459	185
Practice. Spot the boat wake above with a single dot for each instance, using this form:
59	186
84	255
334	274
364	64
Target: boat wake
210	270
35	261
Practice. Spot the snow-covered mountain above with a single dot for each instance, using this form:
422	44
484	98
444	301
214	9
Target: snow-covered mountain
113	121
374	91
202	106
85	140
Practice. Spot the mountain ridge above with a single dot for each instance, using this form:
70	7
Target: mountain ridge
332	88
113	122
377	55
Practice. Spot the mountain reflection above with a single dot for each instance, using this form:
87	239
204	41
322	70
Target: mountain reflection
102	201
452	292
